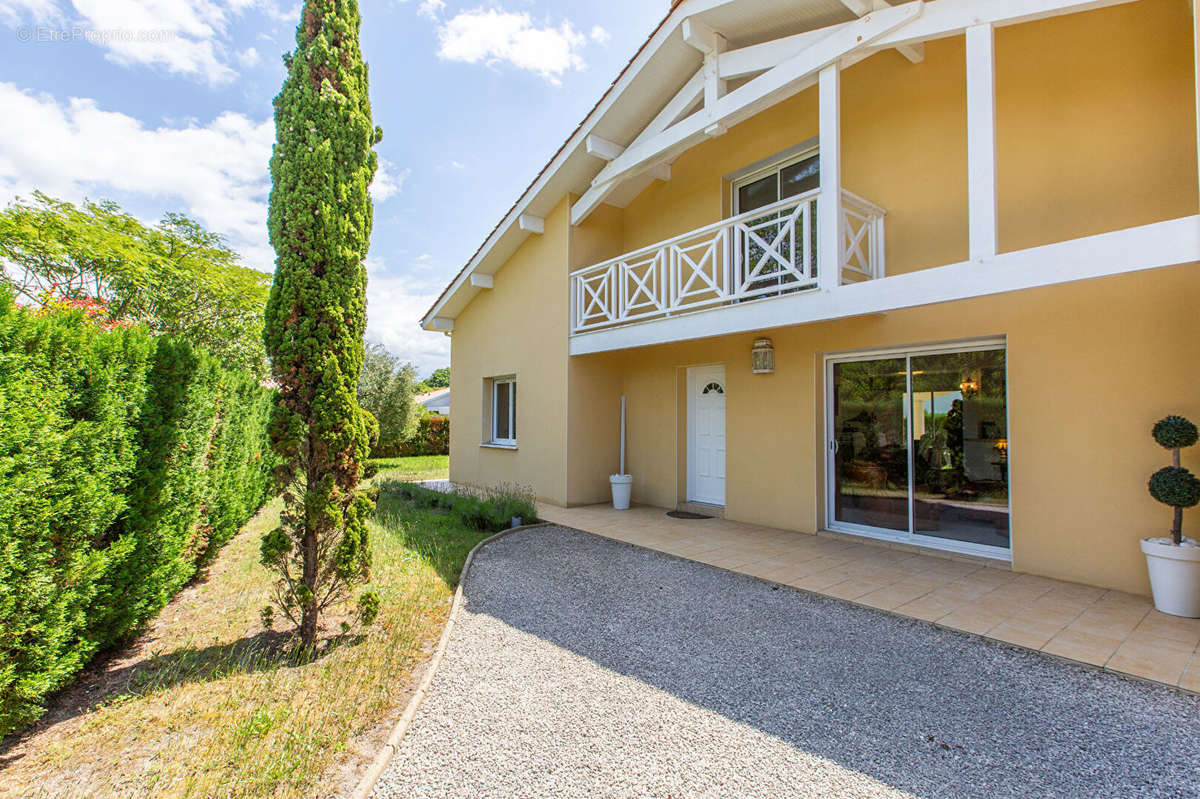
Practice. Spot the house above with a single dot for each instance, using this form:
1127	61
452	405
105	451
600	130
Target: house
924	273
436	402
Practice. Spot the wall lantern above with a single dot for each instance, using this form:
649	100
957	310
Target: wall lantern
762	357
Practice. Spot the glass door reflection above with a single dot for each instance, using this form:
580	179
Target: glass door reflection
960	447
870	462
918	447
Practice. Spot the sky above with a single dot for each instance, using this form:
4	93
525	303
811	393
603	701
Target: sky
165	105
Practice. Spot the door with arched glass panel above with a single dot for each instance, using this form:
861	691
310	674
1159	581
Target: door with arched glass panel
706	435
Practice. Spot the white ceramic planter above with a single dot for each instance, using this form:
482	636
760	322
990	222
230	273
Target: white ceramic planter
1174	576
622	487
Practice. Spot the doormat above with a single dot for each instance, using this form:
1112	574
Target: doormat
683	514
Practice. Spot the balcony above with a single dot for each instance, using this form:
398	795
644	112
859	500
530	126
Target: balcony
763	254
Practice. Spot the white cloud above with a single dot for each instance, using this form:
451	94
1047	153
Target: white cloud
216	172
493	36
395	305
600	36
13	12
248	57
431	9
187	37
386	183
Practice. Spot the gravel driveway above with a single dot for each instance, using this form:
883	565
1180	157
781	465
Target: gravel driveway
585	667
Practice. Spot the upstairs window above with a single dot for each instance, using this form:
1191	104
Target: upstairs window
778	181
780	267
504	411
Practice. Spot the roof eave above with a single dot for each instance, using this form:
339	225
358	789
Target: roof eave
461	281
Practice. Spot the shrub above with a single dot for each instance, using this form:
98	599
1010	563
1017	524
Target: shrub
431	438
124	459
1174	485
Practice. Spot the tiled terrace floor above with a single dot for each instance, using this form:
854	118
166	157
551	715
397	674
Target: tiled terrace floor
1117	631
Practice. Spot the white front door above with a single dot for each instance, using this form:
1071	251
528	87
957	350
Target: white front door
706	434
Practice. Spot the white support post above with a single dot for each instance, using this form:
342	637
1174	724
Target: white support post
981	142
829	203
714	87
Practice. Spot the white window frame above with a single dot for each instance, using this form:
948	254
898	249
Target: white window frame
909	537
761	169
511	441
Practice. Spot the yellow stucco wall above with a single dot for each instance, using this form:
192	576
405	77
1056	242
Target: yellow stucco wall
593	405
1095	132
1091	367
517	328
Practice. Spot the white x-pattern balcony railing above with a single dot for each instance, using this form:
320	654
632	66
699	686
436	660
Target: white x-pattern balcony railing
763	253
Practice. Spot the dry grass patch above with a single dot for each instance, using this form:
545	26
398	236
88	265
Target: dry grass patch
207	703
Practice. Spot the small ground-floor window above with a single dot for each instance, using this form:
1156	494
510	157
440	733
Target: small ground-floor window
918	446
504	411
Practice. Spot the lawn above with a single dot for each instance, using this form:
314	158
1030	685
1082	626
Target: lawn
209	704
420	467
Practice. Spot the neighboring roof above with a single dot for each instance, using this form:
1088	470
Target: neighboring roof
435	400
652	77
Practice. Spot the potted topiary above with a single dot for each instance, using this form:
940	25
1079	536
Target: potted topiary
1174	563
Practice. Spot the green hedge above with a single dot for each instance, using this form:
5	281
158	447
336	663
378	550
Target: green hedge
432	437
125	461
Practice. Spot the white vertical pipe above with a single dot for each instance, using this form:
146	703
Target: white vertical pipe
622	434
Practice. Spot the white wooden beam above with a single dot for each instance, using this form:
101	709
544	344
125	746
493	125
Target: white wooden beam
829	202
940	19
531	224
603	148
482	281
701	36
442	323
714	86
676	108
913	52
758	57
660	172
1153	246
981	142
684	101
744	102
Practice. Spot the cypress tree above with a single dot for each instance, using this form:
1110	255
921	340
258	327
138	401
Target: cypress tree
320	219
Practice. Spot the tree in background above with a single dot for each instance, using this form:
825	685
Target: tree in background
320	223
176	278
385	389
439	379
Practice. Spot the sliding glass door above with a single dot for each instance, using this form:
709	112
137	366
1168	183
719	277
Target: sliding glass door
918	447
870	453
